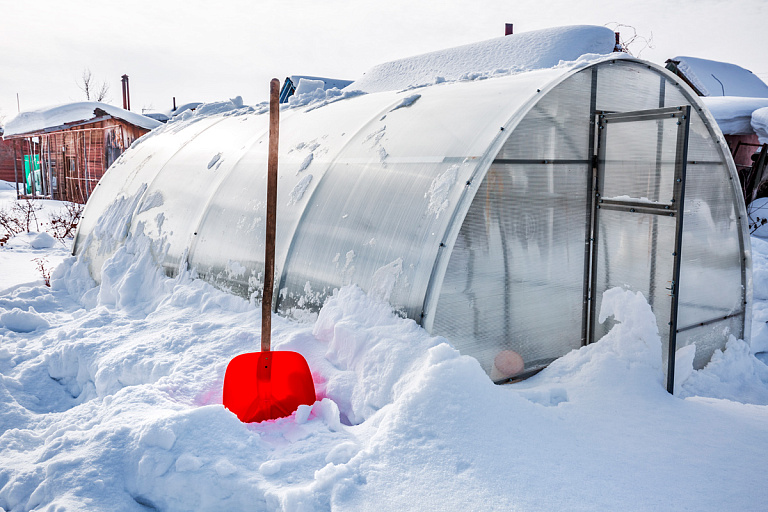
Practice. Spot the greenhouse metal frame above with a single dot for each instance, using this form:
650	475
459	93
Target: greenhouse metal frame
493	212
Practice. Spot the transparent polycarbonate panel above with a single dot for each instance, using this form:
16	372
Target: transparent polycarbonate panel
515	278
627	86
711	284
124	184
173	204
228	249
381	234
710	337
369	189
703	147
635	252
714	260
638	159
557	127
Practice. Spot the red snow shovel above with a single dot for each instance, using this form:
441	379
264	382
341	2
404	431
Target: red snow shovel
266	385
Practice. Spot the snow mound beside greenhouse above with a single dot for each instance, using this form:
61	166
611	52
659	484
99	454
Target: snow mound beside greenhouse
538	49
116	405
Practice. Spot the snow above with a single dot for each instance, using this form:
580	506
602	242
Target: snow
56	116
526	51
759	124
734	114
714	78
327	83
18	255
110	399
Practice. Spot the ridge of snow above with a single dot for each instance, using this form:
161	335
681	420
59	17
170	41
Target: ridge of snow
526	51
59	115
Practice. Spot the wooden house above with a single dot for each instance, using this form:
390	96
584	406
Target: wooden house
62	152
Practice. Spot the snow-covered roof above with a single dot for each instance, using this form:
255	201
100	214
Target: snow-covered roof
734	114
537	49
714	78
329	83
192	105
46	119
302	84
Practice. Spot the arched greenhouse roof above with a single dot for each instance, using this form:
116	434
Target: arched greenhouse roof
463	204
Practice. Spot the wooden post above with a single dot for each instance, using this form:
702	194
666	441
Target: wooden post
15	169
269	249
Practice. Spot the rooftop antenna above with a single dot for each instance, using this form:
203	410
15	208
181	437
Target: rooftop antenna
718	81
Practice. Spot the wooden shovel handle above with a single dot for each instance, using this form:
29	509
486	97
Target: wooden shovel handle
269	251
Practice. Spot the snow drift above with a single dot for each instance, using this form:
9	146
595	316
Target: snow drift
116	405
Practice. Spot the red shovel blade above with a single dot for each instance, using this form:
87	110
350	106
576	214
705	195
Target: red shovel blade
262	386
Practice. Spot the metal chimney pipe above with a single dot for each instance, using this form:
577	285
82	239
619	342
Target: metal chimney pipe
125	95
508	29
174	104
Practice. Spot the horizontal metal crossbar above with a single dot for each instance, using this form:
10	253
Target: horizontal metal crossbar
546	161
666	210
708	322
643	115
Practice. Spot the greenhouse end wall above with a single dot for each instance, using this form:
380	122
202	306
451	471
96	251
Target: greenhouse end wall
519	265
471	207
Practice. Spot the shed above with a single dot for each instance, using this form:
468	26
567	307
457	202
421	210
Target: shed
62	152
493	212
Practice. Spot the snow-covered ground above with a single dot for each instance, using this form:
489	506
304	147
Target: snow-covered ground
110	399
18	257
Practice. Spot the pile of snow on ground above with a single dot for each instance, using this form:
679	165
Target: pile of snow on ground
110	399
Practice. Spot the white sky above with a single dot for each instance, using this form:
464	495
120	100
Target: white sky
199	50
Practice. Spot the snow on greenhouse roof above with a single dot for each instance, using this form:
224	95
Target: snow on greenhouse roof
714	78
519	52
61	115
734	114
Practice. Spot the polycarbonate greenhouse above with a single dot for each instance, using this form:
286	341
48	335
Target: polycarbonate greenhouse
493	212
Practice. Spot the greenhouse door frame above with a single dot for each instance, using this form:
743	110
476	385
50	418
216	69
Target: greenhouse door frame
632	206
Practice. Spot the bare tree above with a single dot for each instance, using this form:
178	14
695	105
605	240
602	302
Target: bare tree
634	44
92	90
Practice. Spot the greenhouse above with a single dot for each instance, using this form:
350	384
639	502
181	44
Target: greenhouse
493	212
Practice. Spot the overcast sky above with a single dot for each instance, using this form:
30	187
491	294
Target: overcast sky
200	50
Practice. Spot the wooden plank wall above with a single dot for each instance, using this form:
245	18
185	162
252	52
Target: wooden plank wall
73	160
6	160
